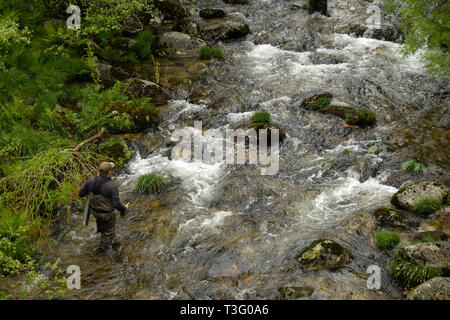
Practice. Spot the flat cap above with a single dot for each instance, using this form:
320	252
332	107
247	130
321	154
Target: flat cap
106	166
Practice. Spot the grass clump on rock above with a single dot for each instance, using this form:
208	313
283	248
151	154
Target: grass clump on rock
260	116
149	183
320	103
362	116
427	206
207	52
411	274
414	166
386	239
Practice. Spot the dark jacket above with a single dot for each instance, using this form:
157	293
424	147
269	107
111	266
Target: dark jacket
102	185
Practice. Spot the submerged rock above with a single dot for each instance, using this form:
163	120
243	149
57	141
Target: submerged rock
212	13
177	44
324	254
434	254
434	289
387	217
225	30
291	293
139	88
408	196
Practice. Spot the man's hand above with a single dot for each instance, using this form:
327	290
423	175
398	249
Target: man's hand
127	205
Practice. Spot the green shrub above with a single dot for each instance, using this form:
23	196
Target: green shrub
206	52
149	183
320	103
386	239
260	116
427	205
411	274
142	44
415	166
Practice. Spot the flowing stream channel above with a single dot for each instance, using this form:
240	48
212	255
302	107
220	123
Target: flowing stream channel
226	231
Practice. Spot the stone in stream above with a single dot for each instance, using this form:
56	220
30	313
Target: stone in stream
170	9
437	288
431	235
324	254
138	88
291	293
177	44
225	30
434	254
387	217
211	13
187	25
409	196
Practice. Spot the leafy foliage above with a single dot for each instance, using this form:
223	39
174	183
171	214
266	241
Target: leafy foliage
149	183
427	24
141	45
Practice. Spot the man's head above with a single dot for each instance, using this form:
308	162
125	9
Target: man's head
105	169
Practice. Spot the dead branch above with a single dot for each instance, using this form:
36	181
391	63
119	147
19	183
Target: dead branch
81	144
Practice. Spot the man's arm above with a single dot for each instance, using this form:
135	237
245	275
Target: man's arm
86	188
116	200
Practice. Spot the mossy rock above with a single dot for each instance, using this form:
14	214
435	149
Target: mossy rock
387	217
117	150
171	9
142	116
292	293
437	288
431	236
177	44
324	254
269	127
187	25
407	197
209	13
312	100
139	88
433	254
361	117
225	30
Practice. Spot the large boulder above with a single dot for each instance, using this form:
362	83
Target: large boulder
225	30
433	254
141	116
138	88
434	289
177	44
324	254
387	217
171	9
408	196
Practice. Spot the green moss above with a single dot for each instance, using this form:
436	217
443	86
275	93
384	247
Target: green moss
320	103
427	206
207	52
411	274
346	151
388	217
117	150
324	254
149	183
386	239
260	116
362	117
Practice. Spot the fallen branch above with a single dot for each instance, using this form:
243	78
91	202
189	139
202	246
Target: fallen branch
81	144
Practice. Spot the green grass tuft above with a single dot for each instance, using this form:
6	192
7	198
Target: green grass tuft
149	183
320	103
260	116
411	274
386	239
414	166
427	206
207	52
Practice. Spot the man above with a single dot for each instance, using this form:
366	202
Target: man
104	199
318	6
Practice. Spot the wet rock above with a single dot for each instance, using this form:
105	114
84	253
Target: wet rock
139	88
434	254
408	196
212	13
431	235
324	254
434	289
188	26
237	1
116	149
309	99
225	30
318	6
171	9
292	293
141	116
385	33
265	126
387	217
177	44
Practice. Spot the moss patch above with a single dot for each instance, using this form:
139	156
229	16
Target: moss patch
324	254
